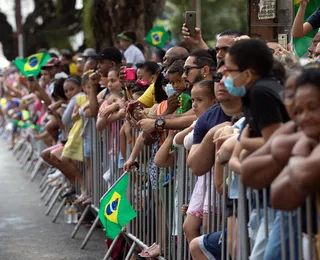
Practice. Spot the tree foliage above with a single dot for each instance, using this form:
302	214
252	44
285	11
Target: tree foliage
216	16
110	17
54	21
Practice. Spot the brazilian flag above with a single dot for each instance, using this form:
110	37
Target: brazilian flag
32	64
301	45
158	37
115	210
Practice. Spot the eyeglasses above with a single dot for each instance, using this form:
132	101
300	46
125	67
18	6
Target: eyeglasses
223	48
217	77
186	69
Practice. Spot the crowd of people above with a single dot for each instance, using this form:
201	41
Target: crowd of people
246	104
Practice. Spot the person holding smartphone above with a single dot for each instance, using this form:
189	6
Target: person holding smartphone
301	28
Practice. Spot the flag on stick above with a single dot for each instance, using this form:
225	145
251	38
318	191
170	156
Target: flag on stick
115	210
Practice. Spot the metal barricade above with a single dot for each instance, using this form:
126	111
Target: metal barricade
158	205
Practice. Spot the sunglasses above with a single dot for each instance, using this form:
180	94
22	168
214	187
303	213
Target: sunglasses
186	69
217	77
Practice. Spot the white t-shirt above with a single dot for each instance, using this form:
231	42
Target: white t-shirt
133	55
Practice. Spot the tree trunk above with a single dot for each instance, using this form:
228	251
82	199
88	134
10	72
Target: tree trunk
111	17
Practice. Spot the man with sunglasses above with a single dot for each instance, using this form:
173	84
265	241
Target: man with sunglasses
200	65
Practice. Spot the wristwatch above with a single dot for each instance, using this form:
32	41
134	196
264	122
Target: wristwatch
159	124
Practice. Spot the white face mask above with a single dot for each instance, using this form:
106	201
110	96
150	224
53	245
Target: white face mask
169	90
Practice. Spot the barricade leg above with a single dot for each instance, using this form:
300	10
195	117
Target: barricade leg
29	164
76	228
106	257
45	177
46	190
25	157
36	169
44	186
50	196
23	154
86	239
53	201
18	145
132	248
55	216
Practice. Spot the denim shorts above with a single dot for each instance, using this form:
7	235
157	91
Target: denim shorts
210	245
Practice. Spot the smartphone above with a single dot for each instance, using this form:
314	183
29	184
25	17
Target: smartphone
130	74
283	40
31	78
191	22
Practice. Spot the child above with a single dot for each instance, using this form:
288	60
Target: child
203	98
72	150
113	101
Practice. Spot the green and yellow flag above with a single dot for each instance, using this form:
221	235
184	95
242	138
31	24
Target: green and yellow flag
32	64
301	45
158	37
115	210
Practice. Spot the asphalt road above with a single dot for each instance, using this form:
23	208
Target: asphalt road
25	232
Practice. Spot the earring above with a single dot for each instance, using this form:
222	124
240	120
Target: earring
204	75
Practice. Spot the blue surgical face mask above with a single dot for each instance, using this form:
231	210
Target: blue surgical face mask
169	90
234	91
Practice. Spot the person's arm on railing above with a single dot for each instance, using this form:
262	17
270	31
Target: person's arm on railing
148	125
138	147
223	154
301	28
260	168
75	113
164	156
67	115
290	189
248	143
201	157
179	138
93	100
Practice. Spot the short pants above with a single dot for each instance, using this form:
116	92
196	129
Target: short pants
211	244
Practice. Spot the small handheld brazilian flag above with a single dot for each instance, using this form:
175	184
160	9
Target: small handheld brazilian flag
301	45
115	210
32	64
158	37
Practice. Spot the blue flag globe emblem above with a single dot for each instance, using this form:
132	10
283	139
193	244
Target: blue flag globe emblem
112	207
33	62
156	37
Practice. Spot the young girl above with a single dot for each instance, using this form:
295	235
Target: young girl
72	150
113	101
203	98
85	136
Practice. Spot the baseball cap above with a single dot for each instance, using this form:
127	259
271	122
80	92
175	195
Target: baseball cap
128	36
52	62
110	53
88	52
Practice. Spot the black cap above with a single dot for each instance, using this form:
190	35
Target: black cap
110	53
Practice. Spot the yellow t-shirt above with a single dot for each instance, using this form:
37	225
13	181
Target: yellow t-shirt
73	149
148	97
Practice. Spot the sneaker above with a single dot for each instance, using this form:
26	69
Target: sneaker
54	175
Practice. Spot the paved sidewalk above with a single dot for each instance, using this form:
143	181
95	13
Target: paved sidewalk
25	232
